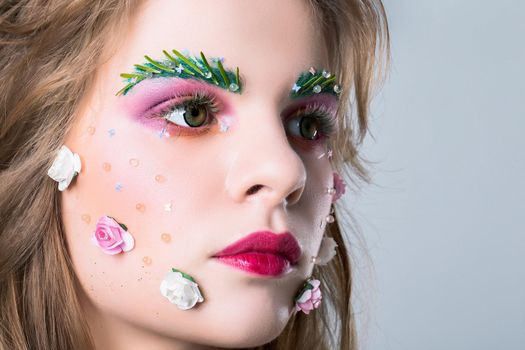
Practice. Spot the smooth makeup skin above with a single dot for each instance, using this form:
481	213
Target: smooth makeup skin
187	196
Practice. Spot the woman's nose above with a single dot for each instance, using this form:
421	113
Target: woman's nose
264	165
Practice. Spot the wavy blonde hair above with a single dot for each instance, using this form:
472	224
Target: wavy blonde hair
49	52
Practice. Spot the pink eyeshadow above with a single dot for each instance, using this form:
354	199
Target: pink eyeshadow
150	93
324	99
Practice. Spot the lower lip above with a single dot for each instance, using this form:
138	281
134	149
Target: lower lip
264	264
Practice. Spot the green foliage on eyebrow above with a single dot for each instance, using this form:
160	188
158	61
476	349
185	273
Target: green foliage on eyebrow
185	67
315	82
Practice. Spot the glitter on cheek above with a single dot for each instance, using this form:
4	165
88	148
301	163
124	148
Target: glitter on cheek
140	207
118	187
164	131
328	153
168	207
134	162
166	237
147	260
106	166
86	218
111	132
225	122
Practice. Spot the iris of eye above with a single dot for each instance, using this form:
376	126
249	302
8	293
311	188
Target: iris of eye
195	116
309	127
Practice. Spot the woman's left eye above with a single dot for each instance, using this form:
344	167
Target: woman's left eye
312	123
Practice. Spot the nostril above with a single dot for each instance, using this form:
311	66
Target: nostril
254	189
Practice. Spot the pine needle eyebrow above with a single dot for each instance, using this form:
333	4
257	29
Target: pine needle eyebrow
315	81
184	66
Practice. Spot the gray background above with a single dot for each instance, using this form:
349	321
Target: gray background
443	220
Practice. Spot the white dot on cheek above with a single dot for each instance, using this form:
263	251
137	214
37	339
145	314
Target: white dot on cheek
168	207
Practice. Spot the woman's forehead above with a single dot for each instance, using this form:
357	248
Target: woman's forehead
271	42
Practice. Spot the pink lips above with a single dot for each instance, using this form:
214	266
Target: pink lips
263	253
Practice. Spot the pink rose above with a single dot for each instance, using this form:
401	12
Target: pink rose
112	237
340	187
310	297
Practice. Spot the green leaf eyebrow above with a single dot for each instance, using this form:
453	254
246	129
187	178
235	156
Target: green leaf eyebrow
185	67
315	81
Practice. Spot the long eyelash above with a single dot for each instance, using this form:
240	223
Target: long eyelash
322	113
198	98
205	99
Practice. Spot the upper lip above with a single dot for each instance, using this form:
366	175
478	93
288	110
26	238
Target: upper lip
283	244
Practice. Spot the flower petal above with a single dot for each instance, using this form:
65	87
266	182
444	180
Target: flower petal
128	242
315	283
62	185
77	164
308	305
305	296
114	251
326	251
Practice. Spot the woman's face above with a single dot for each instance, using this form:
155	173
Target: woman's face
187	195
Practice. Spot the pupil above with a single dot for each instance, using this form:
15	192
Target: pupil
195	116
309	127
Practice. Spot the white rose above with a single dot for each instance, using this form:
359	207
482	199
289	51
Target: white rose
326	251
65	167
180	290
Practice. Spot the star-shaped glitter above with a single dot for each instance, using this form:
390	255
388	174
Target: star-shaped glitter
328	153
223	126
179	69
296	88
164	133
168	207
111	132
118	187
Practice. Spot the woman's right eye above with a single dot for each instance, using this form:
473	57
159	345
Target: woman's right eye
190	115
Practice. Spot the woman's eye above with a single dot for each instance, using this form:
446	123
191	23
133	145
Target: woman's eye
192	115
313	123
307	127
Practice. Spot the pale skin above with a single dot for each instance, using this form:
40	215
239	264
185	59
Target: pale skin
207	178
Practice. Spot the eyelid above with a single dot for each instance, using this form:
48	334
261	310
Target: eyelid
151	93
323	98
179	99
160	112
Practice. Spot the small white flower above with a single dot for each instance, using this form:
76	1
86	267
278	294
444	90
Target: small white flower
180	290
326	251
65	167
